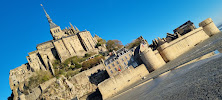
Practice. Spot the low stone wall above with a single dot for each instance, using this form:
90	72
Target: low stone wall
94	69
36	92
80	79
46	84
82	84
124	79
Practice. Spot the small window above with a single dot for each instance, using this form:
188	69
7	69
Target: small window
115	69
109	67
117	62
113	65
124	63
120	67
122	59
129	54
111	71
125	57
132	59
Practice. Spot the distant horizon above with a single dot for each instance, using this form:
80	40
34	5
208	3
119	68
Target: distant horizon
24	24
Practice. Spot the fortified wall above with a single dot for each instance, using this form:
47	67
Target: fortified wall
124	79
167	49
175	48
158	54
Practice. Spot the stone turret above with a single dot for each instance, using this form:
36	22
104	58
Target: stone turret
72	27
77	29
149	58
209	27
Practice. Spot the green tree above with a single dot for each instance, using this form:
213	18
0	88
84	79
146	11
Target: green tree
92	62
101	41
113	45
134	43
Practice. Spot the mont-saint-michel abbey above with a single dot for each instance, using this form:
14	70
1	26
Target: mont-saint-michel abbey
75	65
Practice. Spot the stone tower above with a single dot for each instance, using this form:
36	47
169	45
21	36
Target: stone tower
209	27
149	58
55	30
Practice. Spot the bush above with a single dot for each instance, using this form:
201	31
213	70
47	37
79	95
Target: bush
92	62
87	55
71	73
77	65
39	78
97	45
56	63
134	43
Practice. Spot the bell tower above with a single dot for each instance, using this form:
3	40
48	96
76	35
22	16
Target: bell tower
55	30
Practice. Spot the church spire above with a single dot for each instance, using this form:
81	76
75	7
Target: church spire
72	26
76	29
51	24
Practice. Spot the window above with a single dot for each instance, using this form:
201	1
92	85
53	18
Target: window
111	71
132	59
120	67
129	55
117	62
122	59
109	67
115	69
124	63
125	57
113	65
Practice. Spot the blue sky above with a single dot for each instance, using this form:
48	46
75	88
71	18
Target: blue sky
23	23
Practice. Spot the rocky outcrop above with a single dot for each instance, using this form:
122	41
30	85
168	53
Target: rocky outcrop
67	89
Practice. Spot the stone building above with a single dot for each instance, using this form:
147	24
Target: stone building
66	43
69	42
119	61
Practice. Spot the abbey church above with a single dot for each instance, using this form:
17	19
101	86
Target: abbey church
66	43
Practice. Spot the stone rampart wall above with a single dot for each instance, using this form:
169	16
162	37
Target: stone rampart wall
124	79
179	46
